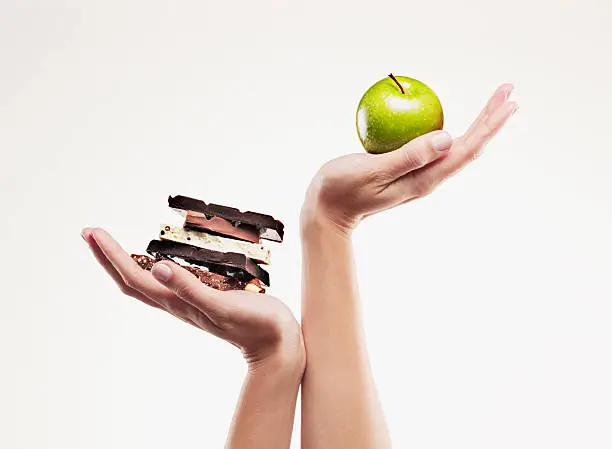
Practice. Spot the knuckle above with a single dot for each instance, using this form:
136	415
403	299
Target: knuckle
476	153
130	283
460	145
473	150
414	158
485	128
184	290
133	279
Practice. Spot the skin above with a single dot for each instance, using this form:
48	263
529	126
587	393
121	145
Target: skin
340	405
388	119
261	326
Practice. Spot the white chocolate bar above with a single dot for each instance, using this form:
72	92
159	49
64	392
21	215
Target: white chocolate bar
215	243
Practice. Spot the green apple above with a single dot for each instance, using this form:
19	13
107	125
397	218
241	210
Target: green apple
396	110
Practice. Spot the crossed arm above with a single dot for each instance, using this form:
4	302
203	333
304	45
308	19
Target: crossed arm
340	406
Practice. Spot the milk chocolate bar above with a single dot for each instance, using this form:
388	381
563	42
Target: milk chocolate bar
236	265
220	226
268	227
214	280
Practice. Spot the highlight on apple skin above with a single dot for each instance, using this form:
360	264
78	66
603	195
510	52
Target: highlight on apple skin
396	110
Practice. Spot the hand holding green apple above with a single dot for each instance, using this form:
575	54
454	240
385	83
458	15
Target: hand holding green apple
352	187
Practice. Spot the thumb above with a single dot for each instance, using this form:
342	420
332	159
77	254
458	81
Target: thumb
415	154
187	287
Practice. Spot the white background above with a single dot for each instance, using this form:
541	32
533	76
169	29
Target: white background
488	305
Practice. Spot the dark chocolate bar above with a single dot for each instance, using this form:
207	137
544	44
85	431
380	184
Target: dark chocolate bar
220	226
214	280
269	228
228	264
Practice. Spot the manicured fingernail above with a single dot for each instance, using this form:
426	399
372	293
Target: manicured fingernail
441	141
84	233
509	90
161	272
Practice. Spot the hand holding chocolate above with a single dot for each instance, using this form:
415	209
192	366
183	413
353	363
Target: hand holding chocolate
220	245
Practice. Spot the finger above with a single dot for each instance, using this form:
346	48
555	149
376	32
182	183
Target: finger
477	139
89	237
143	282
131	273
192	291
499	97
113	273
415	154
465	149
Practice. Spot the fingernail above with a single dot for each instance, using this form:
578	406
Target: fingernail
515	108
441	141
509	90
161	272
84	234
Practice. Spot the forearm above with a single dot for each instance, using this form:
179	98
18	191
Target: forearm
266	407
340	406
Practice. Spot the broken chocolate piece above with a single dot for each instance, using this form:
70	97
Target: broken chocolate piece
269	228
228	264
220	226
259	253
214	280
145	262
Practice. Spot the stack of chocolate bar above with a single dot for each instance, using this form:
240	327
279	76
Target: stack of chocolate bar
218	244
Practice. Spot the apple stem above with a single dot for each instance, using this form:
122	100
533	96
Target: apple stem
397	82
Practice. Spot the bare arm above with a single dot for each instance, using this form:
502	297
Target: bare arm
340	406
266	408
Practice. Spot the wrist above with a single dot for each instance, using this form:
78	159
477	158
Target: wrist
287	360
286	354
315	220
